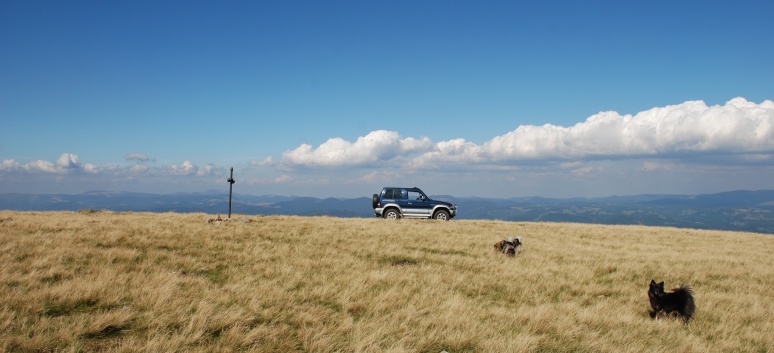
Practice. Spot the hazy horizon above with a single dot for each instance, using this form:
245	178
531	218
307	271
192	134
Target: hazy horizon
226	192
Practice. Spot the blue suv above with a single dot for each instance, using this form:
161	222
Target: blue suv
397	202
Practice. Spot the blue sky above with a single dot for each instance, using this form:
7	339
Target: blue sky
337	99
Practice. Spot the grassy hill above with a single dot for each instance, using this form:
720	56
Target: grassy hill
166	282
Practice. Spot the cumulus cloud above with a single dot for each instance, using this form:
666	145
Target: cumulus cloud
663	139
43	167
10	165
683	130
380	145
187	168
91	168
66	163
738	126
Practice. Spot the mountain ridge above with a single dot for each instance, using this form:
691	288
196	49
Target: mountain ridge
739	210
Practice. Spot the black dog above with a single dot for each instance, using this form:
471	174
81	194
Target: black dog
678	302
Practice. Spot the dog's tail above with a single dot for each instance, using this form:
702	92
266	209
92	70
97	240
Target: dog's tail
685	293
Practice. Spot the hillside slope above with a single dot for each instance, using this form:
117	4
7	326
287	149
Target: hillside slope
173	282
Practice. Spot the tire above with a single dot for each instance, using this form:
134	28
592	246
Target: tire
442	215
376	200
391	214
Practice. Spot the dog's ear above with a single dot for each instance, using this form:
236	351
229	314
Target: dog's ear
652	282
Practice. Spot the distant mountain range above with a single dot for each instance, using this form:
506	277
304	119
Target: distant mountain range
751	211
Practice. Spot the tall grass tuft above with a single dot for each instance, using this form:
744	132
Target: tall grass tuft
145	282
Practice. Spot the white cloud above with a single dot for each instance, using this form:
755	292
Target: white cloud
139	169
268	161
691	127
685	140
208	169
66	163
738	127
380	145
9	165
43	167
187	168
457	151
282	179
91	168
137	157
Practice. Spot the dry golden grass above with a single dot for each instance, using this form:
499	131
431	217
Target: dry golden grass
144	282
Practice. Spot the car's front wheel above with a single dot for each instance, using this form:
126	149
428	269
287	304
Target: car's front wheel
441	215
391	214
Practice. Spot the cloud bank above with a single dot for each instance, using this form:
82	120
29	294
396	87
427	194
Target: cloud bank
66	163
699	143
677	131
69	164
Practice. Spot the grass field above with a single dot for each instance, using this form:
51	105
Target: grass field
145	282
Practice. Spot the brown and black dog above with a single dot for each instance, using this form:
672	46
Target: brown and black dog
510	246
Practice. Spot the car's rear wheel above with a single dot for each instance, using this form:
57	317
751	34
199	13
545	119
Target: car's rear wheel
391	214
375	201
441	215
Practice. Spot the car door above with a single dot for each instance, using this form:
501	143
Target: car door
401	199
417	204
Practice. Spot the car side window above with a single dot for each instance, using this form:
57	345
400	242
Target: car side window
395	194
414	195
